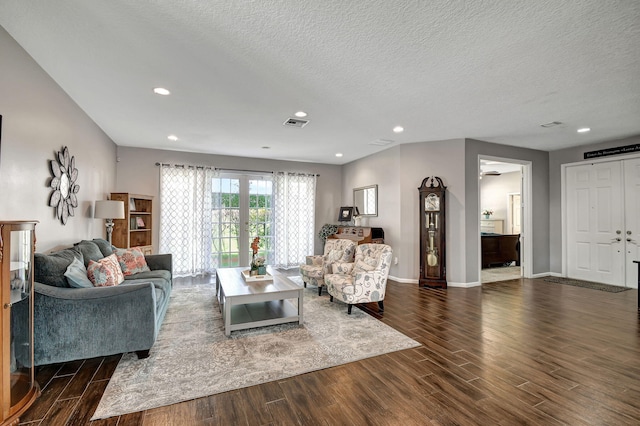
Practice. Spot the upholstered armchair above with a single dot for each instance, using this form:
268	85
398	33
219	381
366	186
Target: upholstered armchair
364	280
335	250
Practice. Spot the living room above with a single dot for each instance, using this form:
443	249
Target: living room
39	118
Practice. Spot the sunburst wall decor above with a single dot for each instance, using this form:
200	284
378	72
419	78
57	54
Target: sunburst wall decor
63	198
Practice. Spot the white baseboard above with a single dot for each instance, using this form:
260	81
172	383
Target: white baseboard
546	274
464	285
449	283
403	280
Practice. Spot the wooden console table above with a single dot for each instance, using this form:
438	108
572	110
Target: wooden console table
360	234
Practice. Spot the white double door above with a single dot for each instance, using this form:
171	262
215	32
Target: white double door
602	221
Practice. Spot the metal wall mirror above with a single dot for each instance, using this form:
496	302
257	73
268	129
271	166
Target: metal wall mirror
365	199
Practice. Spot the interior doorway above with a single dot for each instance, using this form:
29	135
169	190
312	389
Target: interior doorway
502	195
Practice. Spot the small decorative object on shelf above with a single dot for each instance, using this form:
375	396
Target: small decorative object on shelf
487	213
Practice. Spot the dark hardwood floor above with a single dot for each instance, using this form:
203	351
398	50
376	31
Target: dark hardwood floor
513	352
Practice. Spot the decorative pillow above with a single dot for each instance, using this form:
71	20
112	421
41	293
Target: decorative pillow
76	275
105	246
361	266
105	272
371	261
342	268
49	269
131	261
89	250
334	255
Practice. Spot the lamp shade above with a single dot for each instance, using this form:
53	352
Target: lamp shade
109	209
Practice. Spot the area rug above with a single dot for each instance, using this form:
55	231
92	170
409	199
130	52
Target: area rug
193	358
587	284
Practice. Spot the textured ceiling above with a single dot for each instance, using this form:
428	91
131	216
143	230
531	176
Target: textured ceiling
489	70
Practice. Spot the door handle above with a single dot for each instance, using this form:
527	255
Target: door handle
629	240
617	239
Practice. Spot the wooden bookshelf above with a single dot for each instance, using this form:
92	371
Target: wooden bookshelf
136	229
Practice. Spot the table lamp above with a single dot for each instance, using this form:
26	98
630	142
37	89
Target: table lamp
109	210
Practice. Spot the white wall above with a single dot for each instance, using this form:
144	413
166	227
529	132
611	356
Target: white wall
494	195
138	174
38	119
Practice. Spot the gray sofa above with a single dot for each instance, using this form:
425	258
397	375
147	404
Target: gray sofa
78	323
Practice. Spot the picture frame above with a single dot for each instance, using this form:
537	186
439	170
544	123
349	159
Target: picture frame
346	213
140	223
132	205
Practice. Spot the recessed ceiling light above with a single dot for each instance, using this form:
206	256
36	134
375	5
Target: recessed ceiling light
584	130
161	91
300	114
338	154
398	129
172	138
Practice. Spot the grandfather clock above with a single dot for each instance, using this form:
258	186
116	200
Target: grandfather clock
433	215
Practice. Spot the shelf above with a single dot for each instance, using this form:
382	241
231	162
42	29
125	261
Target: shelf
138	209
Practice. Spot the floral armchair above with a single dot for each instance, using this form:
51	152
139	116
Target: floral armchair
364	280
335	250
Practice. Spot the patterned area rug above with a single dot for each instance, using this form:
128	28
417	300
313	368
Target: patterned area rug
192	357
587	284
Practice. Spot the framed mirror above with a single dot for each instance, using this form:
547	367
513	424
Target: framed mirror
365	200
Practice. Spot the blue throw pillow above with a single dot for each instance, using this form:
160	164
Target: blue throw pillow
76	275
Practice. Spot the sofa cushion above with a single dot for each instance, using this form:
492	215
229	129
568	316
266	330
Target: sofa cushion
105	272
76	275
105	246
49	269
131	261
90	251
147	276
162	288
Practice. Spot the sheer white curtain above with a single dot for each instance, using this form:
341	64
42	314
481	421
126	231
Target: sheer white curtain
185	218
294	200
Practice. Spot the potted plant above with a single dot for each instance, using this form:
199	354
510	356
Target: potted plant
487	213
327	230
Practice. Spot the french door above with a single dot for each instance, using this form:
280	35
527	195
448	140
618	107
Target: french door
242	210
602	221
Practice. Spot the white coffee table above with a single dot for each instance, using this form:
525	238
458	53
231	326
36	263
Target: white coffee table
257	304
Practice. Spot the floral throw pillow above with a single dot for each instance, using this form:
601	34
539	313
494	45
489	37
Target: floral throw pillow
131	261
105	272
362	266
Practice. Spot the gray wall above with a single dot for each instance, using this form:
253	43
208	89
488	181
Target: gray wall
556	160
399	171
138	174
540	202
38	119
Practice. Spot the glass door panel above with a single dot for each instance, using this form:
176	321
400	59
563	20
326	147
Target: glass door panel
242	210
20	307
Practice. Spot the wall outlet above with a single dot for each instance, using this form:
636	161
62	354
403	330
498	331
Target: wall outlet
395	260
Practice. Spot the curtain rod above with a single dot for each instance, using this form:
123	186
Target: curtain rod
219	169
185	165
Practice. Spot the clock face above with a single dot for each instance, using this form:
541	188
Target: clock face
432	203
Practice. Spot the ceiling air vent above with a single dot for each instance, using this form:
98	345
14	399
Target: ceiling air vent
295	122
551	124
381	142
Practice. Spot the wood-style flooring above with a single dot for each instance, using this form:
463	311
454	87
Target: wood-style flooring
515	352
